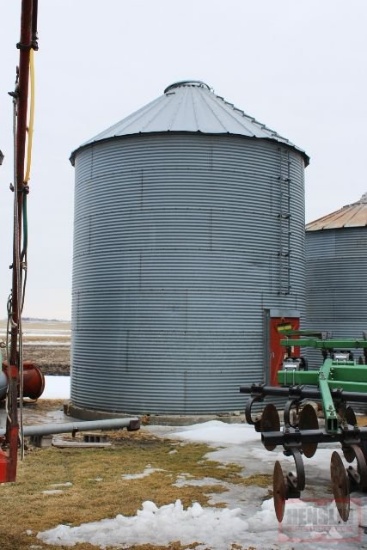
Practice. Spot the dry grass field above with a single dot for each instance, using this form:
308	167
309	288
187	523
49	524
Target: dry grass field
90	479
92	486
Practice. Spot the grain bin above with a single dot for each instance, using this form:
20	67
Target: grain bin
336	272
188	241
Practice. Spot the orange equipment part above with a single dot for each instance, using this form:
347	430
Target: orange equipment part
33	380
8	457
33	386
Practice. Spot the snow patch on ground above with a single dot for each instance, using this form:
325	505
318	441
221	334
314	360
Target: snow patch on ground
147	472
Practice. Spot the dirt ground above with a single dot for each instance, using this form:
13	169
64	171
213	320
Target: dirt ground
45	343
52	360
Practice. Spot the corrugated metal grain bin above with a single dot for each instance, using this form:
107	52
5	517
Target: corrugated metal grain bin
189	233
336	273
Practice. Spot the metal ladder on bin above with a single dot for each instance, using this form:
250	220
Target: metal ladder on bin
284	217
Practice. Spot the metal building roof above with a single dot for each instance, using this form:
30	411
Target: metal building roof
190	106
351	215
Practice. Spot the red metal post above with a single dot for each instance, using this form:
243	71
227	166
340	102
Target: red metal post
9	454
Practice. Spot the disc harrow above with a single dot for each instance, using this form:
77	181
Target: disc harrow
338	381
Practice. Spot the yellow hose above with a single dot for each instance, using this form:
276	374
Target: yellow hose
31	116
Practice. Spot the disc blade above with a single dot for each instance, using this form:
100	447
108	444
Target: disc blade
350	416
362	466
340	485
270	422
348	453
308	421
279	491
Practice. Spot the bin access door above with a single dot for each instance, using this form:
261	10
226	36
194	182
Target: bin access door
275	321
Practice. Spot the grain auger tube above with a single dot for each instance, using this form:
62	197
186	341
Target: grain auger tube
339	380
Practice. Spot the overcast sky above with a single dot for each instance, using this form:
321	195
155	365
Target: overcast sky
296	65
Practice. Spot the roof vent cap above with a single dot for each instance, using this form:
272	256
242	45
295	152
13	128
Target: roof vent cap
189	83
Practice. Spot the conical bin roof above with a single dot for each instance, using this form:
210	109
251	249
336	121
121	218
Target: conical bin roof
190	106
351	215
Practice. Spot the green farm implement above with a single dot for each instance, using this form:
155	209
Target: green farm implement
339	381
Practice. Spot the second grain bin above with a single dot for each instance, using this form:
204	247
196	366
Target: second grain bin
188	242
336	272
